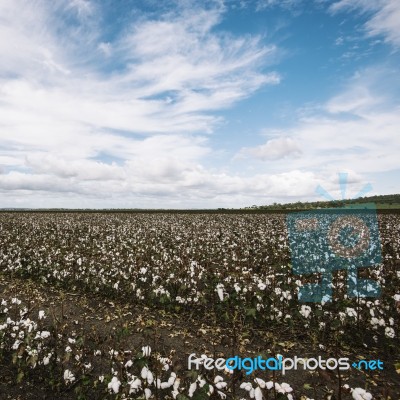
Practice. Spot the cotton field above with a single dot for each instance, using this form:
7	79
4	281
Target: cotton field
109	305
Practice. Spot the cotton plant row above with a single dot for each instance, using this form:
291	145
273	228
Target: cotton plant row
145	375
193	262
148	375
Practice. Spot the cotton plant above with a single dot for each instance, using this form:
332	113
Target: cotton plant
358	393
258	390
22	336
361	394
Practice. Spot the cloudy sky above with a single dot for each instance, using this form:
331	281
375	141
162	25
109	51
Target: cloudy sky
188	104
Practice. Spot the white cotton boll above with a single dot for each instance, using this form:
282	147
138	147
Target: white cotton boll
221	385
221	394
201	381
260	382
351	312
192	389
16	344
258	394
218	378
278	388
113	353
252	393
177	383
68	376
246	386
114	384
269	385
150	377
165	385
261	285
361	394
146	351
135	384
144	372
128	364
374	321
172	378
389	332
31	326
41	314
220	291
305	311
286	387
147	393
46	359
45	334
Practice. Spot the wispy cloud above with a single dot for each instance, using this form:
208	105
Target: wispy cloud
68	95
356	130
287	4
383	20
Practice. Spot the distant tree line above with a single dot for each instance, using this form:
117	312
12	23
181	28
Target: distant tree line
299	205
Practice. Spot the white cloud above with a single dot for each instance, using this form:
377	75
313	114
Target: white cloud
274	149
354	131
84	8
69	98
383	20
354	100
288	4
193	187
81	169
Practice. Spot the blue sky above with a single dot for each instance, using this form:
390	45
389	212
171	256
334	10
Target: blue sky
189	104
